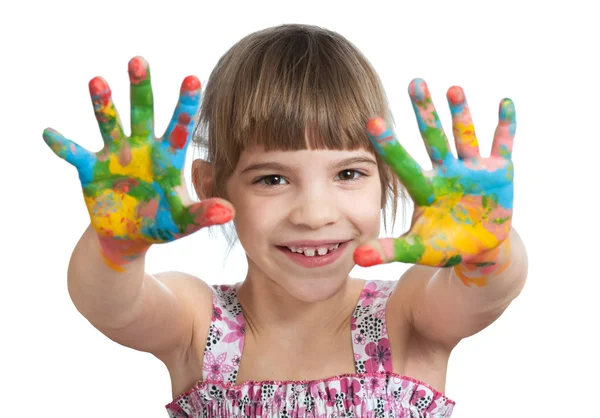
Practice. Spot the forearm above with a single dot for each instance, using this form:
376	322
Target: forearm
105	295
496	276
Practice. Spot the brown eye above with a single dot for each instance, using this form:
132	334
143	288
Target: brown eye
271	180
348	175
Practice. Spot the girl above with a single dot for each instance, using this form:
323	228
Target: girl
283	118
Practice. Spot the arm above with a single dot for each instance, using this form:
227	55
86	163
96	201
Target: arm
470	263
135	196
133	308
448	304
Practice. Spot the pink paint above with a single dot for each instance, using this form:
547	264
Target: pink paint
387	247
317	260
503	141
125	156
456	95
147	209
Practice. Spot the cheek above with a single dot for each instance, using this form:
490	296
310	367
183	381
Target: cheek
254	220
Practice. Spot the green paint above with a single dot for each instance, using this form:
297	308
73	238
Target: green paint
436	141
406	252
453	261
409	172
142	110
485	264
500	221
444	186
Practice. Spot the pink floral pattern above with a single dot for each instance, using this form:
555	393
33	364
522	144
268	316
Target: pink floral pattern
374	391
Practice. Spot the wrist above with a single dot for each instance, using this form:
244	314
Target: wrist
477	270
118	253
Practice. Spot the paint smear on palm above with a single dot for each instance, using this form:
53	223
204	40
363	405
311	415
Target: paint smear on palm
129	186
463	208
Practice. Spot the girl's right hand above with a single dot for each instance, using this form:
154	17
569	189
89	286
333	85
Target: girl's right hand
133	187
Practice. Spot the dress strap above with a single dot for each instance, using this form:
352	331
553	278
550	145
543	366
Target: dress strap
370	343
225	342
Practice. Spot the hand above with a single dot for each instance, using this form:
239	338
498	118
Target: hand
463	206
133	187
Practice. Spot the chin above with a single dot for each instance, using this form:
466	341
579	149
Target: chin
315	288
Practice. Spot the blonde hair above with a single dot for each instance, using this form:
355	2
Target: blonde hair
291	87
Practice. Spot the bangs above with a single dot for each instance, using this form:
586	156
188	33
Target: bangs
306	90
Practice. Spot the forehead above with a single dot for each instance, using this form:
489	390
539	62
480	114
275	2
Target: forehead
300	158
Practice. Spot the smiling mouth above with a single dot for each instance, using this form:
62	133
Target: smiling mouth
313	251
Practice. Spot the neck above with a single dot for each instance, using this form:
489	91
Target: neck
270	307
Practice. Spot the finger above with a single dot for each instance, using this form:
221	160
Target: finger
505	132
429	123
106	114
142	102
462	124
214	211
178	134
406	249
72	153
405	167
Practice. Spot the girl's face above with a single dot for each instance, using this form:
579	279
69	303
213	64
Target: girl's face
306	201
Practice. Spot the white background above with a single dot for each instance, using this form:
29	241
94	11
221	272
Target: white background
539	359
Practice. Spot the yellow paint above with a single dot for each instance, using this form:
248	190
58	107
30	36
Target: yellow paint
112	265
120	217
466	134
471	274
139	167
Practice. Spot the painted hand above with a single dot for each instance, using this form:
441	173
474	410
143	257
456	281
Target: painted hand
133	187
463	206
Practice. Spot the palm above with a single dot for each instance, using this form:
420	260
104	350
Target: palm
463	206
132	187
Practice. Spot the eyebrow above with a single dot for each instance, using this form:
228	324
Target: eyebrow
274	166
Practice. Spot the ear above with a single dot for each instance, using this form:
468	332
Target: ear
202	178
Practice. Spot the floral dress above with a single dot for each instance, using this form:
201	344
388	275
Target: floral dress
373	391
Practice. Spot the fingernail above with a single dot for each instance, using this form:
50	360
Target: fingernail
376	126
98	87
367	256
217	214
190	84
138	70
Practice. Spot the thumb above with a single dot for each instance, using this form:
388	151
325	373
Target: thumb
405	249
71	152
208	212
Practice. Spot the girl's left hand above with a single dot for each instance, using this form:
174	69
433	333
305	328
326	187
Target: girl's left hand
463	206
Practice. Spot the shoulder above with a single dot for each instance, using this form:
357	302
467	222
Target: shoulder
411	283
195	298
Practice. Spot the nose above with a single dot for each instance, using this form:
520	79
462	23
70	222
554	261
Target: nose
315	208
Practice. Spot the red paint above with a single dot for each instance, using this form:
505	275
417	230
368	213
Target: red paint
178	137
138	70
215	215
456	95
376	126
316	260
99	88
367	256
190	84
125	185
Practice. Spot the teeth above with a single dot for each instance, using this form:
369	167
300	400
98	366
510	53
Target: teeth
310	252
